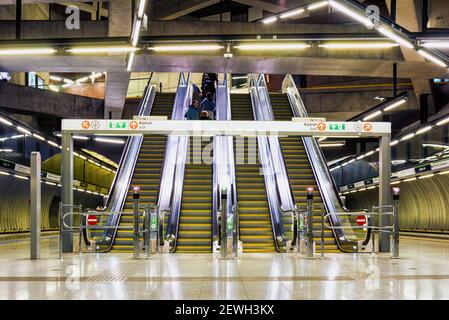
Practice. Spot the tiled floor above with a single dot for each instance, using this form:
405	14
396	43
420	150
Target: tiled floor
421	273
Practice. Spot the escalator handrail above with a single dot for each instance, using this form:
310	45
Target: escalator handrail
223	151
329	194
174	186
116	199
272	185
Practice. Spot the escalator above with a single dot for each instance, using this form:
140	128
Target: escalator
300	171
146	174
255	222
195	228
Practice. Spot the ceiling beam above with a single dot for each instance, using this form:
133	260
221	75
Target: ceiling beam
173	9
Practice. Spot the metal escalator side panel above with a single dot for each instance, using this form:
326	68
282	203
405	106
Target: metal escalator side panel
223	160
170	192
122	180
345	237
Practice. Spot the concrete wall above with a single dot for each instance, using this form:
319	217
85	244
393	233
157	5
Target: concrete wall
423	203
53	29
49	102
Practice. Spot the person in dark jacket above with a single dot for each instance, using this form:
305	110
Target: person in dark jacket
192	112
208	105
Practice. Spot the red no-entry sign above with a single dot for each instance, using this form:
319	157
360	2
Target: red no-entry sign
361	220
92	220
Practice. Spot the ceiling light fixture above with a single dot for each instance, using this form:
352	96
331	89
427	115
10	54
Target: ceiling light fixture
292	13
272	46
174	48
37	51
432	58
390	34
355	15
372	115
395	104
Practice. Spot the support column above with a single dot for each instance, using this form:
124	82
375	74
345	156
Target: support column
18	19
35	205
384	189
424	107
67	186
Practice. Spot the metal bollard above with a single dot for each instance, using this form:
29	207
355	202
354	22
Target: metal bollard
224	221
136	197
396	192
322	232
310	223
235	233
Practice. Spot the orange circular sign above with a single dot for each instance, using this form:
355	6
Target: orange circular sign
134	125
85	124
321	126
367	127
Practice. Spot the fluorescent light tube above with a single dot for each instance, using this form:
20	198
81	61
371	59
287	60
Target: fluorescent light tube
432	58
55	78
80	138
373	115
395	104
317	5
123	49
136	32
4	121
374	45
178	48
395	37
425	129
23	130
292	13
141	9
436	45
394	142
130	61
444	121
272	46
110	140
352	14
15	52
407	137
269	20
52	143
38	137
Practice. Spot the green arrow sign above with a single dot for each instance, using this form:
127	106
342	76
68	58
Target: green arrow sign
120	124
337	127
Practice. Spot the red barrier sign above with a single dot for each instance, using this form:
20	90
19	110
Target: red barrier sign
92	220
361	220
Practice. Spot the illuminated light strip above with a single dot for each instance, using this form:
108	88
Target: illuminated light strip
395	182
444	172
358	45
369	188
272	46
373	115
444	121
38	137
17	136
394	142
110	140
292	13
395	105
50	183
7	122
4	173
351	13
6	150
53	144
136	32
432	58
331	145
21	177
427	176
141	9
55	78
23	130
360	157
395	37
80	138
436	45
37	51
423	130
270	20
186	48
410	179
126	49
370	153
317	5
129	65
407	137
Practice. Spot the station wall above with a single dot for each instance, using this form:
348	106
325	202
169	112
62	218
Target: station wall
423	204
15	204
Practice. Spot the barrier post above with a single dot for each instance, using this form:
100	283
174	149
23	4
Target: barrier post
35	206
322	232
310	223
136	197
224	220
396	192
235	235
